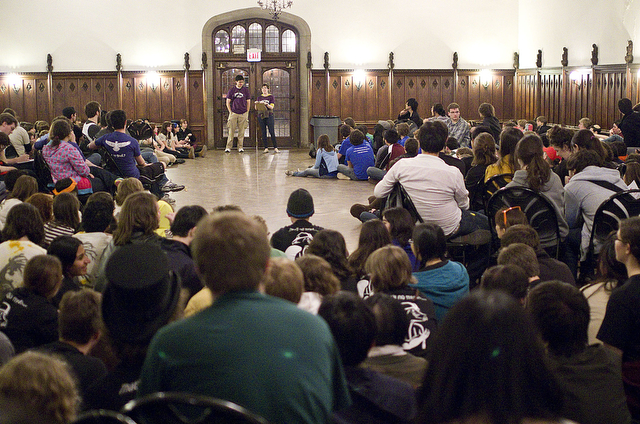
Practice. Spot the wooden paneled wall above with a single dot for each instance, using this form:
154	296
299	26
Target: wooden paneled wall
366	96
169	95
380	94
564	95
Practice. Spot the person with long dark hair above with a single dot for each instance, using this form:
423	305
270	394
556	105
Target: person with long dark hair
533	172
331	246
484	154
400	225
505	165
373	235
74	260
410	112
22	238
488	367
266	117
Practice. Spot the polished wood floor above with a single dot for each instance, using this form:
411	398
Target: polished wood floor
257	183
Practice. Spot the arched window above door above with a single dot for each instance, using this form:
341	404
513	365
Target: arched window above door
238	35
221	42
288	41
269	36
255	36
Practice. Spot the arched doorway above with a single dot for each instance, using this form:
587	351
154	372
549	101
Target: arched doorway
283	44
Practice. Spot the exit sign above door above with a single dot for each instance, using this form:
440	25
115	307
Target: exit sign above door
254	55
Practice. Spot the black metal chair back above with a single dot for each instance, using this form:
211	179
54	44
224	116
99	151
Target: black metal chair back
619	206
539	211
185	408
494	184
102	416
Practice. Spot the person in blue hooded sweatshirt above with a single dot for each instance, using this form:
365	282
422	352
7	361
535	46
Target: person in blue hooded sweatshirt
441	280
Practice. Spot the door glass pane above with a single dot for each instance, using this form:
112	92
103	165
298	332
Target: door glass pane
238	35
288	41
221	42
228	81
255	36
272	41
278	80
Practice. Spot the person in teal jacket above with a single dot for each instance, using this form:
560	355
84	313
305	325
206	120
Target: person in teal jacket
441	280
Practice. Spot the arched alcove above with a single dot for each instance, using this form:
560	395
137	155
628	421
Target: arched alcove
304	34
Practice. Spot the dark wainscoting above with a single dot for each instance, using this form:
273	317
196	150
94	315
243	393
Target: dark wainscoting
169	95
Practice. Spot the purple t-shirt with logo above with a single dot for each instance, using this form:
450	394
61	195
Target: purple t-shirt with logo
124	149
238	97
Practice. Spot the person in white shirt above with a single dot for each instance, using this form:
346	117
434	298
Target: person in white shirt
438	191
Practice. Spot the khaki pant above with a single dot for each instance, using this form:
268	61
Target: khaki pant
238	122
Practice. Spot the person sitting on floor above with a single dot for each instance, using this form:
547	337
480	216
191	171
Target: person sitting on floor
319	281
511	279
27	316
550	268
359	157
443	281
389	270
589	374
284	279
376	398
326	165
79	327
387	356
125	151
294	239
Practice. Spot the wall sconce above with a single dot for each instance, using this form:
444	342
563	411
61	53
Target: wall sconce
15	82
577	76
485	78
153	80
358	79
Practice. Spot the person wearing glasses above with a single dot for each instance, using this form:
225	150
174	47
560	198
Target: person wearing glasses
620	329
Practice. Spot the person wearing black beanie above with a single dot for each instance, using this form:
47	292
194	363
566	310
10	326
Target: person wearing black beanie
294	239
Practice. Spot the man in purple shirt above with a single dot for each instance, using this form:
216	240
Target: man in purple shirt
238	102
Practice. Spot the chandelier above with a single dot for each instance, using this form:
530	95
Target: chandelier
275	7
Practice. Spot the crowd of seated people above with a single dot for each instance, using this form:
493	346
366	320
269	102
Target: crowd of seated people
67	148
395	332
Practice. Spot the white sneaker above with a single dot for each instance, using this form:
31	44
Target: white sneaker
227	151
266	150
241	151
276	150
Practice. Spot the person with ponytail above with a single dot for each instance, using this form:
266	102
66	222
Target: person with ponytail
66	161
585	140
484	154
533	172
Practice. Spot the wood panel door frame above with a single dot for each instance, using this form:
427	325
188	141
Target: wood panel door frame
254	79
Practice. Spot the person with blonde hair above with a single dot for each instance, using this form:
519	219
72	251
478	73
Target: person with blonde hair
284	280
37	388
389	270
131	185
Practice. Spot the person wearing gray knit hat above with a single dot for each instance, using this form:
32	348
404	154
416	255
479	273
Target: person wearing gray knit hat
294	239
